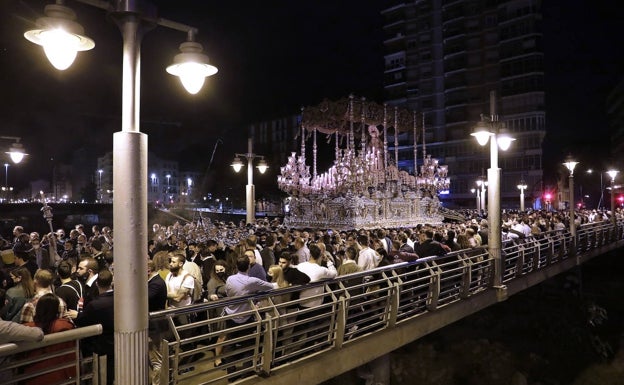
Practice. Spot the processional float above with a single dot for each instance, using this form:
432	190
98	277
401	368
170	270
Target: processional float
364	188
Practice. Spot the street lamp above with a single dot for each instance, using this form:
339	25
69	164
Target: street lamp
6	175
168	198
16	151
612	173
522	186
250	192
62	38
570	164
490	129
476	192
482	184
100	171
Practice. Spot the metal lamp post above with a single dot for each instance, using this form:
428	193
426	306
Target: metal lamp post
570	164
490	129
167	197
613	173
522	186
476	192
250	190
100	171
62	37
6	175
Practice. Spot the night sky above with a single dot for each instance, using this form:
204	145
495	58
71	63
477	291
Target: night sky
273	57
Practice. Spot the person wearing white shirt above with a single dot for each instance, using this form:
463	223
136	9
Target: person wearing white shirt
368	258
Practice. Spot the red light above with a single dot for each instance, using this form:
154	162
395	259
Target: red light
621	199
547	196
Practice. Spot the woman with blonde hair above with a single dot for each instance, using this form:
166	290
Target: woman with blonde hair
161	260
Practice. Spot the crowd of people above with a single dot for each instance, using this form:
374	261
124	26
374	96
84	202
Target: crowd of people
55	283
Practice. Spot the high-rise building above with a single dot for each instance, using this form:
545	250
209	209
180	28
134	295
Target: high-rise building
443	57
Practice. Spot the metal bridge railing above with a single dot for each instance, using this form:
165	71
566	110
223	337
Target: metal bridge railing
20	362
281	329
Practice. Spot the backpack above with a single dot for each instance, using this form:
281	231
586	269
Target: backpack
196	295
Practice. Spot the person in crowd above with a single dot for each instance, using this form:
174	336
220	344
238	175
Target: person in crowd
51	242
367	258
251	243
87	273
427	247
316	272
69	252
15	332
302	252
40	255
450	240
22	251
236	285
70	290
399	256
292	275
96	252
161	260
43	285
464	242
216	291
49	321
156	300
206	259
180	284
22	291
255	270
349	265
195	271
101	311
268	253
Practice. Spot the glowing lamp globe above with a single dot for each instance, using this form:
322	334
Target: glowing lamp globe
191	66
237	165
482	133
60	36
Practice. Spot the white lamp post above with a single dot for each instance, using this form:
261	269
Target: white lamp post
250	190
489	129
570	164
6	175
129	163
613	173
476	192
522	186
100	171
480	198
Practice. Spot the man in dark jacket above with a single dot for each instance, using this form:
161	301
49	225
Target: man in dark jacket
101	311
427	246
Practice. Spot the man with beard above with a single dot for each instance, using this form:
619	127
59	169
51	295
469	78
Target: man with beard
180	284
87	274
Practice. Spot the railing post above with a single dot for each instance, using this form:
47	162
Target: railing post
394	304
520	261
267	346
164	367
466	276
341	321
434	289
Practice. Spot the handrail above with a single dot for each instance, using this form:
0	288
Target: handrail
51	339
